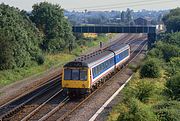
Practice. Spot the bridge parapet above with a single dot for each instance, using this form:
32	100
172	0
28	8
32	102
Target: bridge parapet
114	29
150	30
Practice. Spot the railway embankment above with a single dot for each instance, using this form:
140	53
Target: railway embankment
153	92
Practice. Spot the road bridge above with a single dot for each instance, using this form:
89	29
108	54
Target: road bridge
150	30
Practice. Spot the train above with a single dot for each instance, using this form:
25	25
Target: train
84	74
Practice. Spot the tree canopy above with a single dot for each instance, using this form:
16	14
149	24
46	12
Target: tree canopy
50	20
172	20
19	38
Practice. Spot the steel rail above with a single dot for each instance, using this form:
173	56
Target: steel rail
124	67
20	106
40	106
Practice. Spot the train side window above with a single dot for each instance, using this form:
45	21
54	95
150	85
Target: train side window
93	71
123	54
112	61
101	66
75	74
127	52
104	66
67	74
83	75
98	69
107	64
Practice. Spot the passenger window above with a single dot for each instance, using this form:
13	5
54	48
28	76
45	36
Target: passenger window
104	66
95	71
99	69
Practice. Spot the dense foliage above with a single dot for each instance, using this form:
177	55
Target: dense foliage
167	110
150	69
173	38
50	20
135	110
172	20
142	90
19	38
24	35
173	87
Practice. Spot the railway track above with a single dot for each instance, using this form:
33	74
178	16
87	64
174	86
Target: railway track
12	107
76	106
60	112
48	105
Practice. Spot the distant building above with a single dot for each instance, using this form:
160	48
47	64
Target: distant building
143	21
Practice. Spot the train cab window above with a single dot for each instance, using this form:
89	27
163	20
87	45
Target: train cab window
67	74
75	74
83	75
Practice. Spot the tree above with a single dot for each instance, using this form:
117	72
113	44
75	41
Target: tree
19	38
50	20
129	15
123	16
172	20
173	38
168	50
6	55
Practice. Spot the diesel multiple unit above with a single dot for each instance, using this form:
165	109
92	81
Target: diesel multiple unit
86	73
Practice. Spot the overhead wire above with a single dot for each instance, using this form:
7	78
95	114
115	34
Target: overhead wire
134	5
114	4
124	5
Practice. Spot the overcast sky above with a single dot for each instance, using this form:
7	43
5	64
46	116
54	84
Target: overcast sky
81	5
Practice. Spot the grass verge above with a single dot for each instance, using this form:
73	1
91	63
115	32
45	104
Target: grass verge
51	60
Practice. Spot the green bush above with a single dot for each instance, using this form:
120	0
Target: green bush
168	111
40	59
142	90
174	65
136	111
150	69
168	50
155	53
173	87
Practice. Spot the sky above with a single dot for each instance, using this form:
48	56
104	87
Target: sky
99	5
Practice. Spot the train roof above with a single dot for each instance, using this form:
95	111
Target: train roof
96	57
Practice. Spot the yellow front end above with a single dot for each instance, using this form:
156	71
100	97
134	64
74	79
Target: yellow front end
75	84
